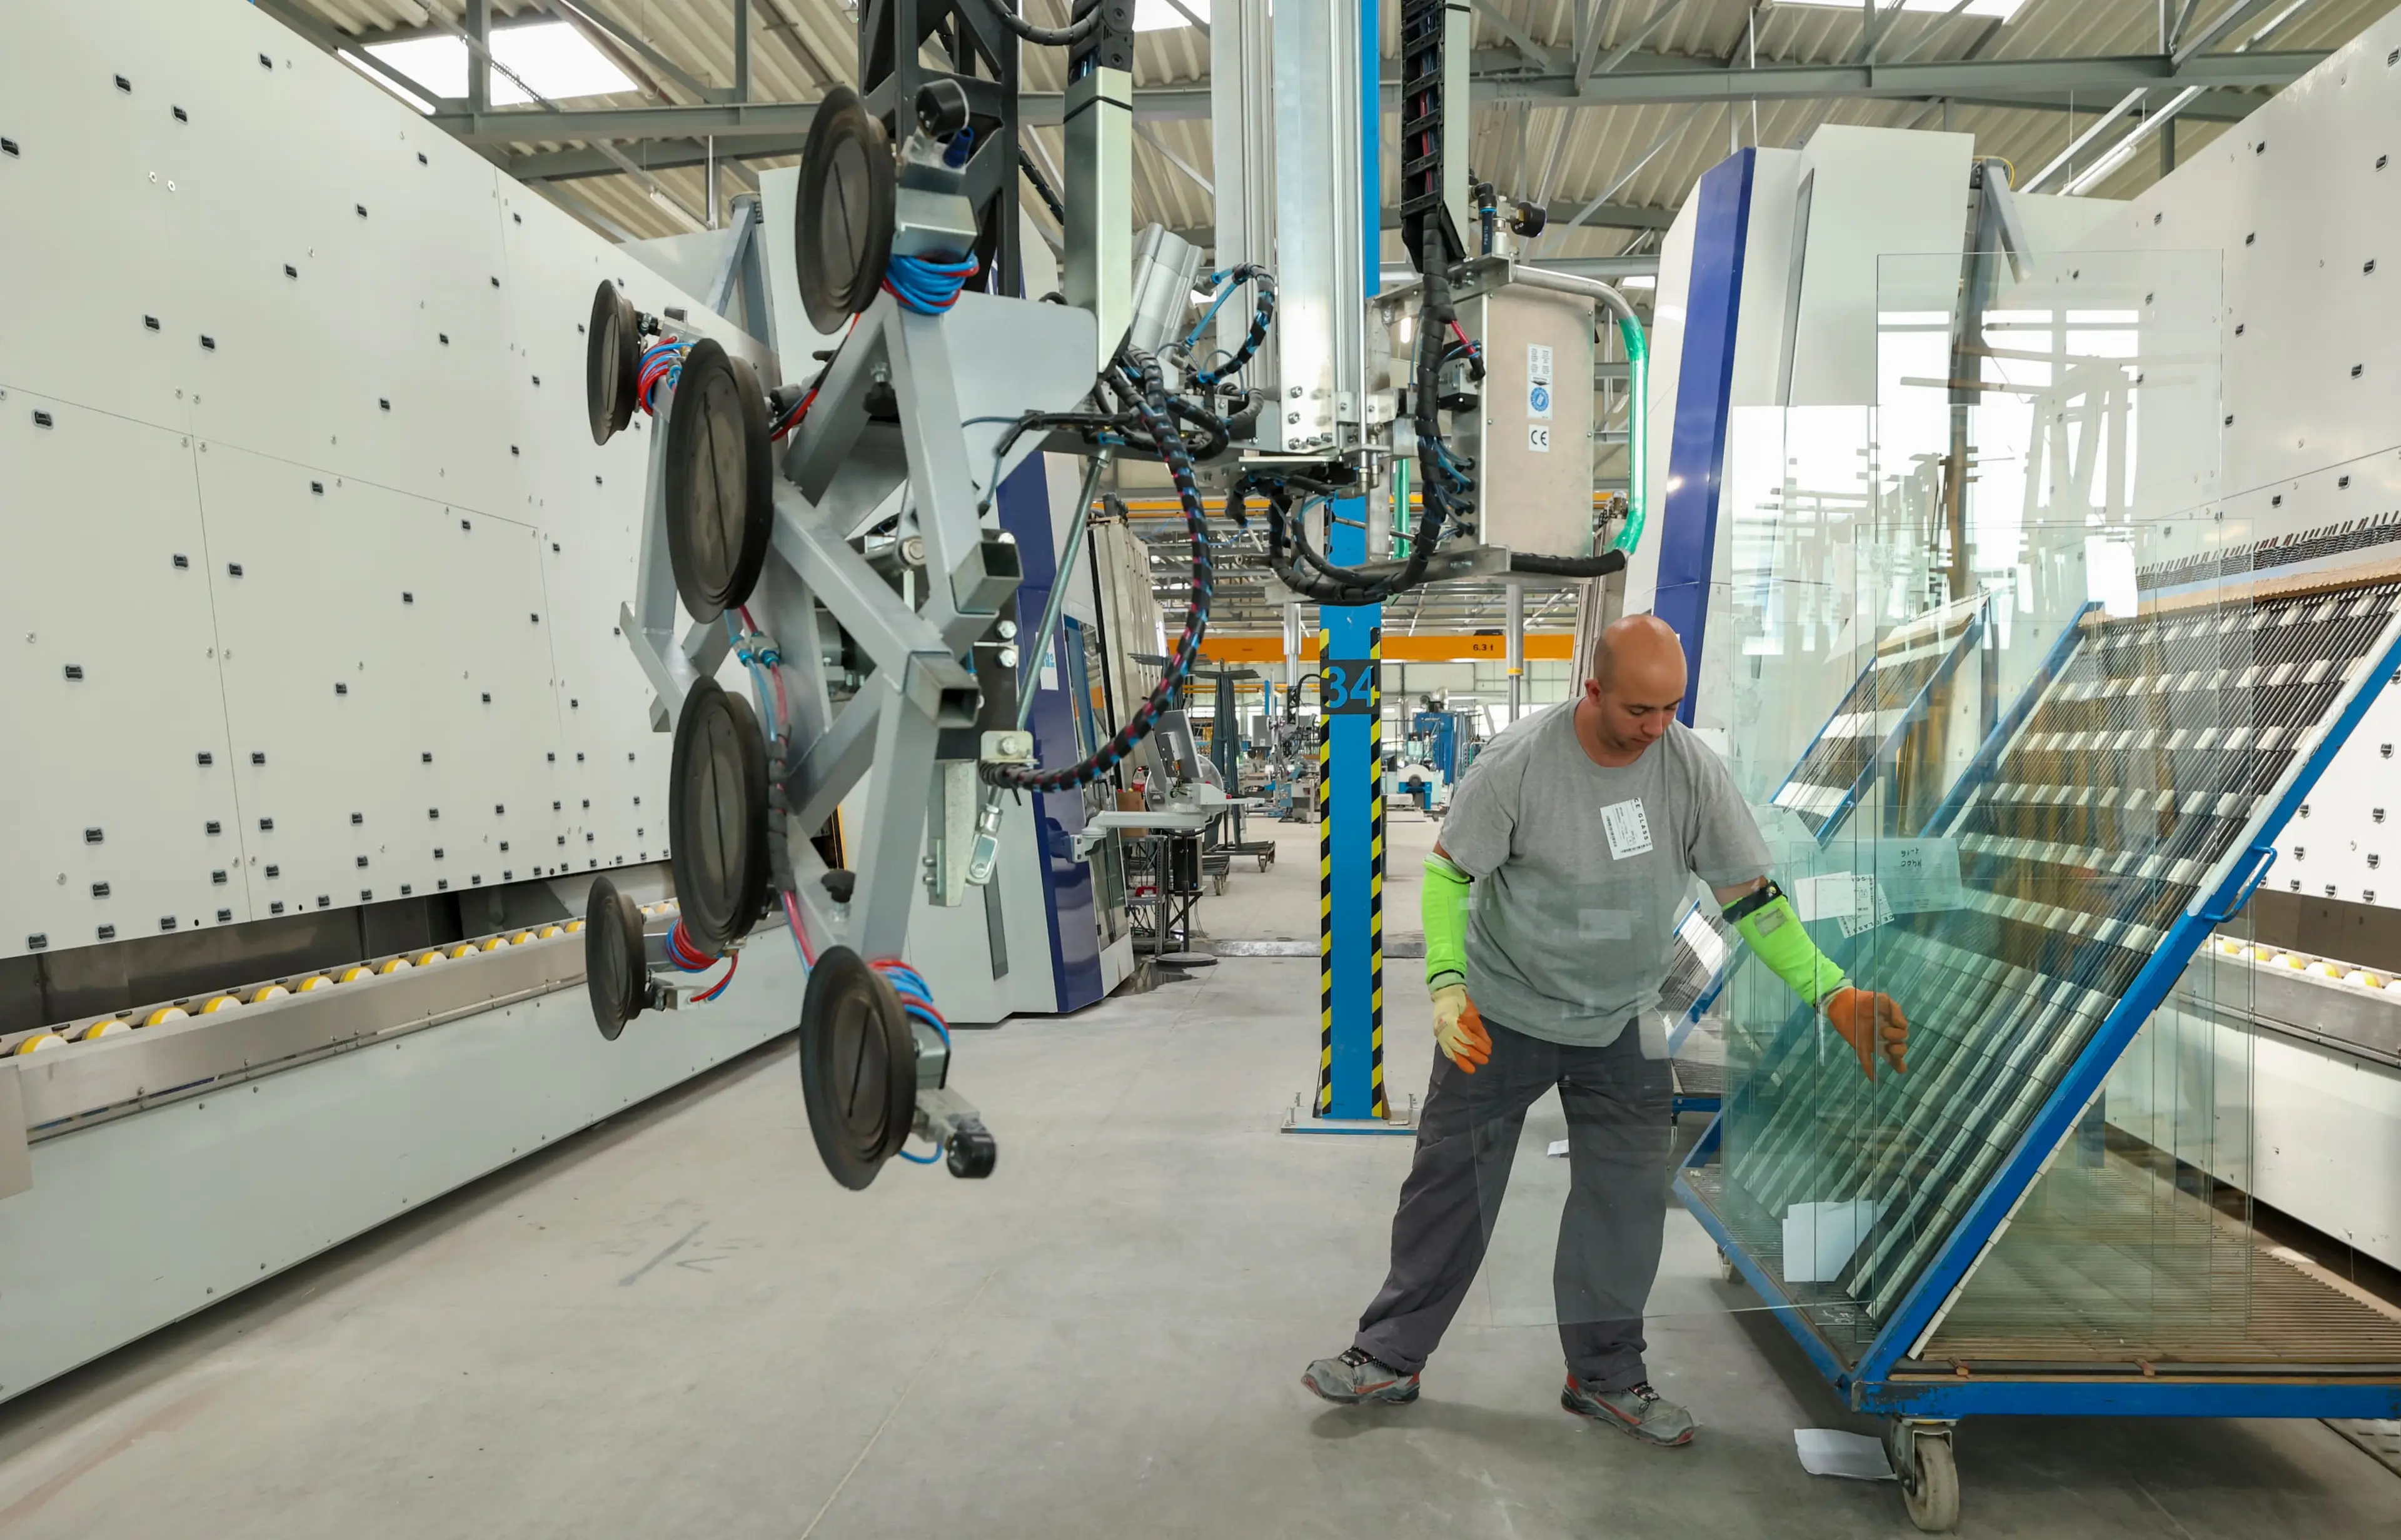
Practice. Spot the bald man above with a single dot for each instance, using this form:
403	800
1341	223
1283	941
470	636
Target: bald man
1550	902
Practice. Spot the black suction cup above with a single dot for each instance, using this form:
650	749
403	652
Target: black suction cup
613	957
612	356
858	1066
720	502
841	229
717	815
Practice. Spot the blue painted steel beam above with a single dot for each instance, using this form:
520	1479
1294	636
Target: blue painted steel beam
1688	530
1351	1071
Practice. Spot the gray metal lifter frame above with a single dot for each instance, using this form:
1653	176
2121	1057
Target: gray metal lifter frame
936	591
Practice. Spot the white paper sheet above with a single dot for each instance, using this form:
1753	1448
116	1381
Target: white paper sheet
1851	1456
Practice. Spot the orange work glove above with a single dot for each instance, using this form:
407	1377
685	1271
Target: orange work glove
1868	1022
1458	1030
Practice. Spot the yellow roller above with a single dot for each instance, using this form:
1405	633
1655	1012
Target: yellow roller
427	959
2322	968
397	965
464	949
493	943
223	1002
108	1027
353	973
2233	949
268	992
546	932
521	937
37	1042
2364	979
314	981
164	1014
574	926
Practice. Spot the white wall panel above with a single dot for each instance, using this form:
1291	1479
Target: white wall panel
99	511
399	414
2304	199
2301	197
88	170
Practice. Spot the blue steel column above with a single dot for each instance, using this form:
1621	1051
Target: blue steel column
1351	1075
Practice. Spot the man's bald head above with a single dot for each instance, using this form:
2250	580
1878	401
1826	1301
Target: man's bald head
1643	648
1638	680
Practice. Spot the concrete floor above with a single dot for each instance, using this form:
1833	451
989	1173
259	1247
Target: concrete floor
678	1325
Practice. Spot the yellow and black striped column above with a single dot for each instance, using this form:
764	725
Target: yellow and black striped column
1351	873
1325	907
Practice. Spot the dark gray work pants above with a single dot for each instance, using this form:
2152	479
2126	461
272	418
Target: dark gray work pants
1610	1231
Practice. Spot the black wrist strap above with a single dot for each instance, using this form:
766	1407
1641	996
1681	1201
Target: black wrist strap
1752	902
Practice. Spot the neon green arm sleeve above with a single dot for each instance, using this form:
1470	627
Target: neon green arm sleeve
1442	904
1767	922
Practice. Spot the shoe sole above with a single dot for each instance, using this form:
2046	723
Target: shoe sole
1351	1398
1604	1415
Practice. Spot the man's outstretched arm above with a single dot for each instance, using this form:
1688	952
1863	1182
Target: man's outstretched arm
1766	918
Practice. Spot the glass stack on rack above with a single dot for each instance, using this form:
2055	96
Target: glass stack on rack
2046	1211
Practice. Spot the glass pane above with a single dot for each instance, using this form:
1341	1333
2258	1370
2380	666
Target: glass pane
1999	770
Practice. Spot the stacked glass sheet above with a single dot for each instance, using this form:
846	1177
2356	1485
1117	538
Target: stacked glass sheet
1893	691
2120	797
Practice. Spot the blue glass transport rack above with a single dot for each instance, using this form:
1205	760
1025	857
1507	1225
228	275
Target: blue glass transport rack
2118	814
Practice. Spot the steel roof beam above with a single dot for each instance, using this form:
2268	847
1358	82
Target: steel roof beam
2012	82
1704	80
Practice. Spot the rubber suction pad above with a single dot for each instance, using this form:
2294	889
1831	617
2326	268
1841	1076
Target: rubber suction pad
613	971
612	356
858	1066
720	474
842	224
717	815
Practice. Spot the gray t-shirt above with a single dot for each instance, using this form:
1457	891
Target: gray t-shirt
1583	871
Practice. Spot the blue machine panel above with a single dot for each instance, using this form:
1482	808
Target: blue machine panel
1024	504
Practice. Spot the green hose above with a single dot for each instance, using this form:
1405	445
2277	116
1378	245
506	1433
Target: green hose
1638	446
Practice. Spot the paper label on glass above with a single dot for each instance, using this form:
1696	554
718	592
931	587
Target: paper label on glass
1918	876
1868	908
1827	898
1628	827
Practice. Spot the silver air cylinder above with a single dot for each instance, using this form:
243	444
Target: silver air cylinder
1165	268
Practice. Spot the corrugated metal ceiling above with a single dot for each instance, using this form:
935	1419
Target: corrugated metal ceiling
1570	153
1564	155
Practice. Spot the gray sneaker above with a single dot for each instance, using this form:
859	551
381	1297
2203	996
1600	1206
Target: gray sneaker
1642	1412
1356	1376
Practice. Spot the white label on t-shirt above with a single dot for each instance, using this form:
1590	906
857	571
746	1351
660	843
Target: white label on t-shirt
1628	827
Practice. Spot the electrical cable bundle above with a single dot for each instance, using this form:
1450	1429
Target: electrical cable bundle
1263	286
688	958
1138	375
662	363
927	285
1086	20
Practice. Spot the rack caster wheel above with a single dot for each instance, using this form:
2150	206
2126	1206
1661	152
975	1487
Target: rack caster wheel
1929	1475
1728	1272
971	1154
